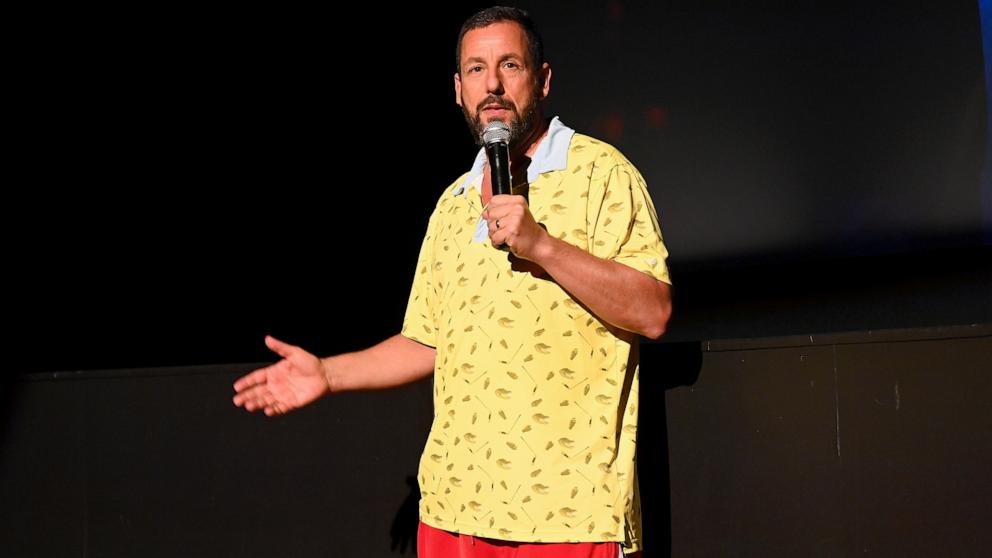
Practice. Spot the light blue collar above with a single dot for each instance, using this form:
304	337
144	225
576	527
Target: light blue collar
551	155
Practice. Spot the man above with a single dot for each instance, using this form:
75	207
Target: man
532	348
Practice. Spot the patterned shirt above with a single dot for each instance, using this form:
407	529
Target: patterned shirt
535	399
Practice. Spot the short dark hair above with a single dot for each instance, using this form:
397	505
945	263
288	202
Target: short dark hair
496	14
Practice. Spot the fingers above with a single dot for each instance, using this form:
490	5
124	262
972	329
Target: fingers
252	390
508	215
503	205
506	199
505	215
251	379
503	233
252	398
259	397
511	224
260	376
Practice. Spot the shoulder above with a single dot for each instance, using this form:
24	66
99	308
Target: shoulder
598	162
587	151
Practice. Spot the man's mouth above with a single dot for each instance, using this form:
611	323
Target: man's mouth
494	108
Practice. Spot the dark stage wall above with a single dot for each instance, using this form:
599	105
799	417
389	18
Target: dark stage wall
840	445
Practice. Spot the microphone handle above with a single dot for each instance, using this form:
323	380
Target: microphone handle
499	172
499	166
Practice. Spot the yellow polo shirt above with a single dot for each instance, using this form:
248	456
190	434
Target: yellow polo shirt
535	399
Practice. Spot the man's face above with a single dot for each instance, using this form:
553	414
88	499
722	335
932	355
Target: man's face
497	81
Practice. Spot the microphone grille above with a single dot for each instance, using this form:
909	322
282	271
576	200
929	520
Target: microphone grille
496	132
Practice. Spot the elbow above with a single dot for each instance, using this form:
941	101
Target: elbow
656	327
655	330
658	324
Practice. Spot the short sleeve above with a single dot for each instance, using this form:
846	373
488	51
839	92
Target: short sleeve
419	321
624	223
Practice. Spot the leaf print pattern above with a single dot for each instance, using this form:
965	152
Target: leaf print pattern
534	432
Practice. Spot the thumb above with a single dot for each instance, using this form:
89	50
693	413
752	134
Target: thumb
282	349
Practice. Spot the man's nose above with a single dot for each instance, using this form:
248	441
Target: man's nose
494	83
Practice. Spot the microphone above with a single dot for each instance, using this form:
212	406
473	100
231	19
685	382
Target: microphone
496	138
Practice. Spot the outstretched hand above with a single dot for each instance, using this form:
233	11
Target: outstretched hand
295	381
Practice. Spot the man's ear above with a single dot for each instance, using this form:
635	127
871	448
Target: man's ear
545	77
458	89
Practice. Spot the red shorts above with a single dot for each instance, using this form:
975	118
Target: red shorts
436	543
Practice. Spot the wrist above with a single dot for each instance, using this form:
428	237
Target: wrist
328	370
544	248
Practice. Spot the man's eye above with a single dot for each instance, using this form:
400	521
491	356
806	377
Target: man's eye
511	65
475	69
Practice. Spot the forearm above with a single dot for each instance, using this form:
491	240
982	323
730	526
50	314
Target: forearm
617	294
394	362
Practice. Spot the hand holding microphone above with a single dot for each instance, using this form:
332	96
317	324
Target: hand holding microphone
511	225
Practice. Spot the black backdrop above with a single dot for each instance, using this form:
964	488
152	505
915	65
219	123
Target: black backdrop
195	179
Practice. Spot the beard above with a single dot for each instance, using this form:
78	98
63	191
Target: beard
521	123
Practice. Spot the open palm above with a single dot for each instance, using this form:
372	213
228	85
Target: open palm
296	380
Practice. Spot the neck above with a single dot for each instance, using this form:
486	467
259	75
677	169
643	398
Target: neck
527	147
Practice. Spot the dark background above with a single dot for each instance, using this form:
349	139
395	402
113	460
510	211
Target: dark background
195	179
839	129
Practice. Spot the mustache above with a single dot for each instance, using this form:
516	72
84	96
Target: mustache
494	100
